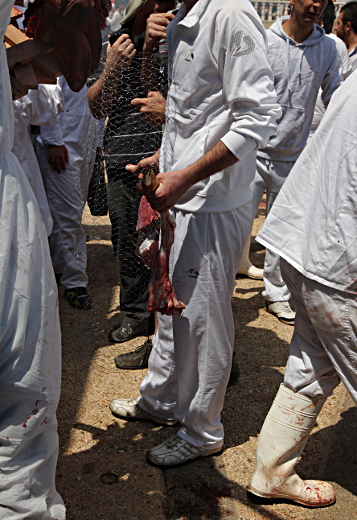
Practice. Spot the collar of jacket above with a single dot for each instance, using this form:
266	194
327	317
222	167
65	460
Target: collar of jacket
193	17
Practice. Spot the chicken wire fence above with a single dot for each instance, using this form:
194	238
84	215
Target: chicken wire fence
120	135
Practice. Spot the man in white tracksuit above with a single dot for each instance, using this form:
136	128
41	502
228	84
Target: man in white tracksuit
39	107
221	107
66	154
30	341
312	226
303	59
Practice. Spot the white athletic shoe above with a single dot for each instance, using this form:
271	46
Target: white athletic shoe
129	409
177	451
282	311
251	272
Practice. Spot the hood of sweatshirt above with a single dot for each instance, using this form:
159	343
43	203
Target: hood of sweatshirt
316	35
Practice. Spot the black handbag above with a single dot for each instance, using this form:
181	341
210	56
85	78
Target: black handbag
97	190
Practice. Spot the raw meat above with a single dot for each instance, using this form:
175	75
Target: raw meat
156	255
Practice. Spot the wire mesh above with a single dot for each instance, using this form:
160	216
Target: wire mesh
121	134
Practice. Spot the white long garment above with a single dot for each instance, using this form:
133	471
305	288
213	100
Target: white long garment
312	224
38	107
221	89
30	346
67	191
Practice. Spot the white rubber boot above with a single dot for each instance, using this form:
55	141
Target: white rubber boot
282	439
246	267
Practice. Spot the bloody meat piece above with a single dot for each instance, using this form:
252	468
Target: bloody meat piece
73	27
162	296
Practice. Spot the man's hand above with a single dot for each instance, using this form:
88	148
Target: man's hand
156	29
148	163
152	108
57	157
120	54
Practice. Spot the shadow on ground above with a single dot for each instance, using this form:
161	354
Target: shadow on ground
102	469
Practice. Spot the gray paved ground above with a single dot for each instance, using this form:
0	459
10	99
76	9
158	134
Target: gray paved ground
102	470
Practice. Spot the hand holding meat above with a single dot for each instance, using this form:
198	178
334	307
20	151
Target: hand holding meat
172	186
152	108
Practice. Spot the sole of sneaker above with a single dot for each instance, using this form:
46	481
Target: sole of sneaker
156	420
283	320
265	499
187	461
121	367
244	275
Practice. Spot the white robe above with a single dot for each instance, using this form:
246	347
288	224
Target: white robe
30	347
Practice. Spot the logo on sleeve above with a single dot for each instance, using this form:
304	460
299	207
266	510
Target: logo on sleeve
240	48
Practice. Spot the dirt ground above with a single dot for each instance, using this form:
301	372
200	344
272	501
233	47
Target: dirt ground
102	469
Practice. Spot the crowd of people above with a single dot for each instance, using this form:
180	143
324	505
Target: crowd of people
222	111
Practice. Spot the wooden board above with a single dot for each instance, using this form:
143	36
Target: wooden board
43	77
26	75
49	65
15	13
18	89
13	35
26	51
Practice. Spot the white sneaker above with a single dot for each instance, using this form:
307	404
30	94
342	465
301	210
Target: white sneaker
282	311
129	409
251	272
177	451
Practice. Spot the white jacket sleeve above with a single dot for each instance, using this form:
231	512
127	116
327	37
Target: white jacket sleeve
52	134
47	103
239	47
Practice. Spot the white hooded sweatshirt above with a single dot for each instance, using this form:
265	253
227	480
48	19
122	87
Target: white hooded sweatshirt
299	71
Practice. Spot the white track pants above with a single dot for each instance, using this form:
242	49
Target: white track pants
323	348
67	194
190	364
270	176
30	355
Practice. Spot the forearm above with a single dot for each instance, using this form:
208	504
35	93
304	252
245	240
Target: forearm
148	70
213	161
102	94
173	185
